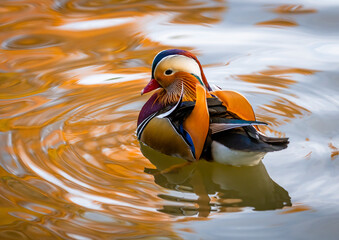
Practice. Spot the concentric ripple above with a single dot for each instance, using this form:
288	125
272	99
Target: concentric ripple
78	158
31	42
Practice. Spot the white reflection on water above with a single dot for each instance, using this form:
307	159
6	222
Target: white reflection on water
109	78
95	24
260	46
313	3
329	49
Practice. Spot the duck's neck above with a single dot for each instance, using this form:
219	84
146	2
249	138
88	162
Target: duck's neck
171	94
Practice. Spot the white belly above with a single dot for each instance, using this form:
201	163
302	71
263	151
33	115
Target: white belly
225	155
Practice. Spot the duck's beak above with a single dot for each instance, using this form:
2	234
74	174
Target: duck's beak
152	85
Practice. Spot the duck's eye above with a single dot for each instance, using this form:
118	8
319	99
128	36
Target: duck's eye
168	72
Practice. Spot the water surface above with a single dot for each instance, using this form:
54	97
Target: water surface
71	73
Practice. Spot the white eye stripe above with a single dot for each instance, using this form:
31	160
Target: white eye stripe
178	63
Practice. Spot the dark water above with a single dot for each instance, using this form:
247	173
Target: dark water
71	73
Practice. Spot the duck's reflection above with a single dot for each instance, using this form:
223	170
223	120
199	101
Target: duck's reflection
203	187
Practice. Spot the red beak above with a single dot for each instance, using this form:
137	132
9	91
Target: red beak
152	85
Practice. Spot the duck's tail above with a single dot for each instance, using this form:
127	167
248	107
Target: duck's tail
276	143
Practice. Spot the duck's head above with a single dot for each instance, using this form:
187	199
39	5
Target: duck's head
173	68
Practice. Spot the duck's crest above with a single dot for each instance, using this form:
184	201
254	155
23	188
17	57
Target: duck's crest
166	53
169	52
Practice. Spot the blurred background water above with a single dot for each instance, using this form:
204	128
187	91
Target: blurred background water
71	72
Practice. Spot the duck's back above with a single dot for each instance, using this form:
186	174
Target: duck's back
229	139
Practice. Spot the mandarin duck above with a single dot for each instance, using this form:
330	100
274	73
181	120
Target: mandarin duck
185	118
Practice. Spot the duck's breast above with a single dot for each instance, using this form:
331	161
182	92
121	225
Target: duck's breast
162	136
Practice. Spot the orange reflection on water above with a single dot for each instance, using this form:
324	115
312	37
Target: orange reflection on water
293	9
268	81
278	22
296	208
76	142
335	151
277	79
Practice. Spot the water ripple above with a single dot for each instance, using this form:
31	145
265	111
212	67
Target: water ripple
70	81
31	42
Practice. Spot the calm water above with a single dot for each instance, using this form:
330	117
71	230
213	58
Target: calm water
71	72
